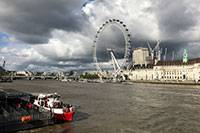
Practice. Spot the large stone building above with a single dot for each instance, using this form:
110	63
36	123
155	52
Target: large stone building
168	71
141	56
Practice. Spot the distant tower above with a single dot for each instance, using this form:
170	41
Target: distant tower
172	55
185	56
4	63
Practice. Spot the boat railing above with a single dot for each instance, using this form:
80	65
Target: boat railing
4	112
18	117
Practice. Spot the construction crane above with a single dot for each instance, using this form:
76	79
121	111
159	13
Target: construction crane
152	52
158	50
160	53
165	56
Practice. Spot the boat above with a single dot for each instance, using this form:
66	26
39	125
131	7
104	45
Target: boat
52	103
64	80
127	83
17	112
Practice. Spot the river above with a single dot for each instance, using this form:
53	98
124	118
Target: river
119	108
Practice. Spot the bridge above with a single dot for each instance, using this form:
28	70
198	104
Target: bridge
28	77
32	77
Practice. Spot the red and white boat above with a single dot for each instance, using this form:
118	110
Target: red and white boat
52	103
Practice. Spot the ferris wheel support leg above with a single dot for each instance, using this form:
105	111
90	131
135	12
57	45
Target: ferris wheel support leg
115	61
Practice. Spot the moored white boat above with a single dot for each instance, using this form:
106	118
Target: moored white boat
51	102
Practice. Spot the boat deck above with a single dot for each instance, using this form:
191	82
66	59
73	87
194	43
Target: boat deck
11	112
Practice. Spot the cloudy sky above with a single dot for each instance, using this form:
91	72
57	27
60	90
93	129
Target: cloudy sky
57	35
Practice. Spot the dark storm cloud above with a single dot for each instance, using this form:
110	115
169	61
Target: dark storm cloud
48	66
111	38
177	22
176	17
31	21
171	46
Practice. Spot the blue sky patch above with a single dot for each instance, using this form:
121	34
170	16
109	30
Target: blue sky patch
87	3
5	40
2	41
3	35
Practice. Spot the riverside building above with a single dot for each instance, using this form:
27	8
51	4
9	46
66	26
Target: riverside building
177	70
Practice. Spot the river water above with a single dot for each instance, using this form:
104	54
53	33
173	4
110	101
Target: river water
118	108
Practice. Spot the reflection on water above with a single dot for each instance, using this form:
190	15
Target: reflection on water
60	126
66	127
78	116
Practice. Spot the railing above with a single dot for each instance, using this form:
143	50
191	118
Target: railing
14	122
11	115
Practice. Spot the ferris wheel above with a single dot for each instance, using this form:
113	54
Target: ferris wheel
119	24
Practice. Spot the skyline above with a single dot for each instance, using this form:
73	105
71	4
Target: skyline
58	35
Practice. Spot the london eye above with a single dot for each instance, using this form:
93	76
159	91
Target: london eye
123	28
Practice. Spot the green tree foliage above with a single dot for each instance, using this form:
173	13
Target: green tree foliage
89	76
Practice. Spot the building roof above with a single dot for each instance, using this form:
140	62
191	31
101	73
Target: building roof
141	48
143	66
178	62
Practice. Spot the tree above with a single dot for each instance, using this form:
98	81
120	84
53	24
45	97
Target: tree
71	73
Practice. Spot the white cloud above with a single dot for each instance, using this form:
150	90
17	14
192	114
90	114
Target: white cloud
65	45
17	56
141	23
61	48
